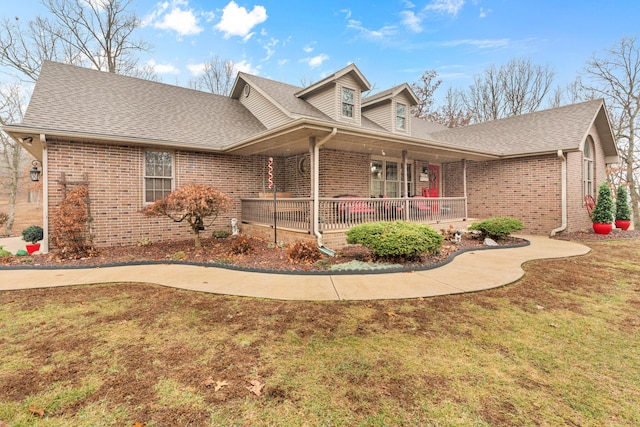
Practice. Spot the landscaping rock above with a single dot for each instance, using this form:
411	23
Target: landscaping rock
490	242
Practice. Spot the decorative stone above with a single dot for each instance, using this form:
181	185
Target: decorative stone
490	242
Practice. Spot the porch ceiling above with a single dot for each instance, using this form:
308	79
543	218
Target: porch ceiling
295	142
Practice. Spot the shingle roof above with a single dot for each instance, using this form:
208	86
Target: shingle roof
544	131
72	99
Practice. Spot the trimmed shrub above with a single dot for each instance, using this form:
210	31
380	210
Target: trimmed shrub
604	211
5	253
32	234
398	239
498	227
623	211
304	251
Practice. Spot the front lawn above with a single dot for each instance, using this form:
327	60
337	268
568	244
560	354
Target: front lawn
559	347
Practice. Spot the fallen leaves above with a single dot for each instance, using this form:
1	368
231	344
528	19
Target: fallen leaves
217	384
37	411
256	387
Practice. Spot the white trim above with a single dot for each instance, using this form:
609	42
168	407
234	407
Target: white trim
145	177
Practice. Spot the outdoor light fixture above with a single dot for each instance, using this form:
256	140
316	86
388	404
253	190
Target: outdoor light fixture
27	140
34	172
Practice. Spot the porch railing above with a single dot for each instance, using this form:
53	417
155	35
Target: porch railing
344	213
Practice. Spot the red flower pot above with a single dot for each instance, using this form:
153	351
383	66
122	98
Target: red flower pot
33	248
623	224
600	228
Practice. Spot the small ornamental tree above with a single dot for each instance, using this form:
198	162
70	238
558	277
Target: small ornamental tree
623	211
197	204
603	212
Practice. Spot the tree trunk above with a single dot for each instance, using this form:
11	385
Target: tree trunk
196	235
631	182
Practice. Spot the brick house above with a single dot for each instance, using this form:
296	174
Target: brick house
133	141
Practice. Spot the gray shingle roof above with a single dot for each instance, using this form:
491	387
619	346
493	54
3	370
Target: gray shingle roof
73	99
543	131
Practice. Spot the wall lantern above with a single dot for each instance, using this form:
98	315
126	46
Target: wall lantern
34	172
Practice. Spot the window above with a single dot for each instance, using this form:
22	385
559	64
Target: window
158	175
588	173
348	102
401	116
387	178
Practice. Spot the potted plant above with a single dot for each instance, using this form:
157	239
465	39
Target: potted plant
603	213
623	212
32	234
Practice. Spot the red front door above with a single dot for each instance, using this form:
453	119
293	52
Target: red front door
434	181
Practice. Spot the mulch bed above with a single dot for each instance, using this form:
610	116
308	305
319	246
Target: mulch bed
262	256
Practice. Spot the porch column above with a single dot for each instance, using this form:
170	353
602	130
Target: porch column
314	184
45	195
464	186
405	184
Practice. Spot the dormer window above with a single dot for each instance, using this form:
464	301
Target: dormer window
348	102
401	116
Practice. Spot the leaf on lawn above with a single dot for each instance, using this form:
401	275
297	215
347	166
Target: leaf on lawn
391	314
219	385
539	307
37	411
208	382
256	387
137	424
553	325
4	424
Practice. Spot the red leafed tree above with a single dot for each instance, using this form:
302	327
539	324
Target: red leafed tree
71	234
197	204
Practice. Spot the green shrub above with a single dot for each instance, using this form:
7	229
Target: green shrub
220	234
22	252
32	234
623	212
498	227
396	239
304	251
604	211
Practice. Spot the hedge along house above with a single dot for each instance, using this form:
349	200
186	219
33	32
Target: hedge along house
335	158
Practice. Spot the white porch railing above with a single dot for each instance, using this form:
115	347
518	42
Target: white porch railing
344	213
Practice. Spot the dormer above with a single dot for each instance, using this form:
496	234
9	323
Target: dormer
339	95
391	108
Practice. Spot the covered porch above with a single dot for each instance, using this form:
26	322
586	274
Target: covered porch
333	179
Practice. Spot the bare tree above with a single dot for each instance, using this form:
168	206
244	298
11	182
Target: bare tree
217	77
424	89
452	113
518	87
616	77
11	111
96	33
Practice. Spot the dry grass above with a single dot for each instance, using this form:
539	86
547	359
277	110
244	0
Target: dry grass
559	347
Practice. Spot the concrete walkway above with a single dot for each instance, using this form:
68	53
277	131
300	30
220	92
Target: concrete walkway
468	272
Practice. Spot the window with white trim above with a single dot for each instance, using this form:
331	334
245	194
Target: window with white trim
401	116
387	178
348	102
158	175
588	171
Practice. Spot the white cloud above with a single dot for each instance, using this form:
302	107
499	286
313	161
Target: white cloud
309	48
383	32
175	16
282	62
347	13
163	68
315	61
410	20
452	7
237	21
479	43
484	13
196	69
245	67
270	47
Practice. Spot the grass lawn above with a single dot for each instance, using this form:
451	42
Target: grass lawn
559	347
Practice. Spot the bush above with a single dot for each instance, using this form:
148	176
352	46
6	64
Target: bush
241	246
220	234
396	239
498	227
304	251
604	211
623	212
4	253
32	234
71	225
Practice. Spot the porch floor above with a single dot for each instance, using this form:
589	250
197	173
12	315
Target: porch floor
469	272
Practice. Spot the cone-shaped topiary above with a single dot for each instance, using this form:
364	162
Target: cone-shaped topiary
603	212
623	211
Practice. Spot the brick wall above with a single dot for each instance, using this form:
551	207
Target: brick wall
115	175
344	173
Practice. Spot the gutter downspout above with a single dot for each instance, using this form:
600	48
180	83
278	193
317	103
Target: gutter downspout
563	226
316	182
45	195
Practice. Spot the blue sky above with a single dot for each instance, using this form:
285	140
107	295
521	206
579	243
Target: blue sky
391	42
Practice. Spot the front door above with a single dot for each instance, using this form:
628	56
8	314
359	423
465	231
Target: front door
434	181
